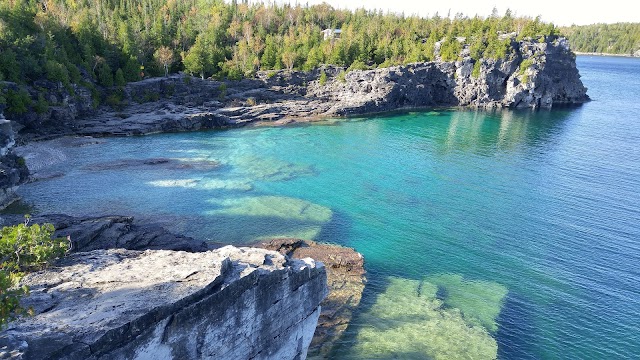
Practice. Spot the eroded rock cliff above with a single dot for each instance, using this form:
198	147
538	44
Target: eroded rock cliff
532	75
345	279
230	303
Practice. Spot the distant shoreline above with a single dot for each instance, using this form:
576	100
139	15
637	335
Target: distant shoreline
605	54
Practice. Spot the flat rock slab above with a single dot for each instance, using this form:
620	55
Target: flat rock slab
226	303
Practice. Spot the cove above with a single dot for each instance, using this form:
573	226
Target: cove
511	234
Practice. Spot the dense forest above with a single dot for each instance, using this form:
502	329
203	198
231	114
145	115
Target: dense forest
112	42
620	38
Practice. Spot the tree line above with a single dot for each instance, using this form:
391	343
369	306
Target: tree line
619	38
112	42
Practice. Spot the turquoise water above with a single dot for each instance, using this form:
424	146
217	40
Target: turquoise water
508	233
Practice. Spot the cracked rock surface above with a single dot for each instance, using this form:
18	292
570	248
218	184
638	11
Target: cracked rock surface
229	303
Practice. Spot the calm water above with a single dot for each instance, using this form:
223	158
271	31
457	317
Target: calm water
517	230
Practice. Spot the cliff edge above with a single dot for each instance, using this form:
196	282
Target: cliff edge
532	75
229	303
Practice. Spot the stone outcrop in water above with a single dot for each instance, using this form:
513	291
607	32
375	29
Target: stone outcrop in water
230	303
533	75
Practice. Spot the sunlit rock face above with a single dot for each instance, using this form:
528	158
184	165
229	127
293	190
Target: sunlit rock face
231	303
440	317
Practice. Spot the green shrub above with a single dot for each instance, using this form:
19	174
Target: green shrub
476	69
357	65
222	91
57	72
342	77
323	78
18	102
42	105
115	99
24	248
524	65
120	81
105	77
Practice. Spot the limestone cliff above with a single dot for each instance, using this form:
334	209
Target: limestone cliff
532	75
230	303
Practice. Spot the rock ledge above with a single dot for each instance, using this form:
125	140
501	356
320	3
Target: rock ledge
229	303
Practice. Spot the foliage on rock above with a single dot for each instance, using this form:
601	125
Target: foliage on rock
68	41
23	248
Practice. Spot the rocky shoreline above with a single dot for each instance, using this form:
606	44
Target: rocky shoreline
229	303
533	75
111	241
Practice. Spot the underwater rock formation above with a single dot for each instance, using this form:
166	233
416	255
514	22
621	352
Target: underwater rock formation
418	319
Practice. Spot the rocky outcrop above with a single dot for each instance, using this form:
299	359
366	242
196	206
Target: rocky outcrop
230	303
532	75
13	170
59	106
346	281
113	232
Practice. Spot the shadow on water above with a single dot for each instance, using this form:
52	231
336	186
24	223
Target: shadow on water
337	230
376	284
242	229
516	330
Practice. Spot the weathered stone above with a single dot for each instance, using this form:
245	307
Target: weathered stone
183	103
112	232
230	303
345	278
13	170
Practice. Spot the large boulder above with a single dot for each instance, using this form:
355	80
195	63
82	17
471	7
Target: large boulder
229	303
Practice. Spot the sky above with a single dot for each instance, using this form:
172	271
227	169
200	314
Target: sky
560	12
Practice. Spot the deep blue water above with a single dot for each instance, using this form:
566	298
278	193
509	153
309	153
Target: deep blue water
526	225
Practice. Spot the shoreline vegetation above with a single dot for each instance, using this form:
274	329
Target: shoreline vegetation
606	54
101	48
619	39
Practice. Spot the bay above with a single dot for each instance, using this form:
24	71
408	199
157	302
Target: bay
512	234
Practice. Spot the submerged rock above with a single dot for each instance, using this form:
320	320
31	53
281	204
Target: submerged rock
230	303
345	278
153	163
414	319
251	218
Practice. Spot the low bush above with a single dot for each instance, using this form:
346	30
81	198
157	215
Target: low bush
24	248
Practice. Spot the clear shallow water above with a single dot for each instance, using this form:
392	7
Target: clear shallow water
510	233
